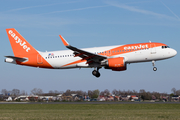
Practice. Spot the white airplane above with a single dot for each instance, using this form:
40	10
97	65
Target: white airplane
115	58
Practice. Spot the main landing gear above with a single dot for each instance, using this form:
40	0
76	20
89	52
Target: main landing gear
154	68
96	72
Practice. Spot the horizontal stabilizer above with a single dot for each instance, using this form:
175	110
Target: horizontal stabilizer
12	59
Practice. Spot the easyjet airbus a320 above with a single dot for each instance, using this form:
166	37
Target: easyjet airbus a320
114	58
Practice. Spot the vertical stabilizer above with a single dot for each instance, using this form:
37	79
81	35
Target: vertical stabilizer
24	53
19	45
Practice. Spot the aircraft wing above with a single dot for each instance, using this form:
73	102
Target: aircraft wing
85	55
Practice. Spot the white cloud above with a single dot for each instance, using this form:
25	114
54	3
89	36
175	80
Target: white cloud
171	11
77	9
133	9
23	8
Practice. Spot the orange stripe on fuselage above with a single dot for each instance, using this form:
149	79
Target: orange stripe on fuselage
130	48
78	61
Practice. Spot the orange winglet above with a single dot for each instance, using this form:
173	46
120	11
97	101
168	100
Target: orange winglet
64	41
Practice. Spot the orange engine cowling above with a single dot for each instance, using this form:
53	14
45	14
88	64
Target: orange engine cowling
116	64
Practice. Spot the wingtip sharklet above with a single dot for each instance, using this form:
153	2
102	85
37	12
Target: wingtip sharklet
64	41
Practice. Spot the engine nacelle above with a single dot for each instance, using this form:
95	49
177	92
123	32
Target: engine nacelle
116	64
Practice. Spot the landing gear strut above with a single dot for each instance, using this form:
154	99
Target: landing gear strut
96	72
154	68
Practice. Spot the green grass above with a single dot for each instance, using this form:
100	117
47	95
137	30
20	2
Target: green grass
89	111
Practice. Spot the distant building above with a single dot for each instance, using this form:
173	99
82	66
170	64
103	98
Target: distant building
101	98
66	97
22	98
9	99
175	98
124	98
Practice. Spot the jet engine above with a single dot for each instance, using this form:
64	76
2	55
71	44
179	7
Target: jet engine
115	64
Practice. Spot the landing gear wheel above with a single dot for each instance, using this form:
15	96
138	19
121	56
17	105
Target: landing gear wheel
96	73
155	68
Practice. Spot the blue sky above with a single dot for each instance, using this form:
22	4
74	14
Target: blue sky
91	23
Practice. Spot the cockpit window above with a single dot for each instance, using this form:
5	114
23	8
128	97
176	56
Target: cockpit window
165	47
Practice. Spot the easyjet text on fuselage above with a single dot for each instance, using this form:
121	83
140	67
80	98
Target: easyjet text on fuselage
136	47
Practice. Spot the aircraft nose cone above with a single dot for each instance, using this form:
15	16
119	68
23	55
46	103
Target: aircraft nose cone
174	52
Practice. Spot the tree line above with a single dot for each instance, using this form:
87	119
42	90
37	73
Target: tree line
145	95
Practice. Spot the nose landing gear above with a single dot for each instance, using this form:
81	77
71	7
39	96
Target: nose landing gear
154	68
96	72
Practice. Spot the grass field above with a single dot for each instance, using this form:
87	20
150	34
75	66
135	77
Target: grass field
89	111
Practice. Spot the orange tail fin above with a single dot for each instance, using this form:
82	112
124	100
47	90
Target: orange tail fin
24	53
19	45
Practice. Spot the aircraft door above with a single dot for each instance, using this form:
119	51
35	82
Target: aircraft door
39	59
153	49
